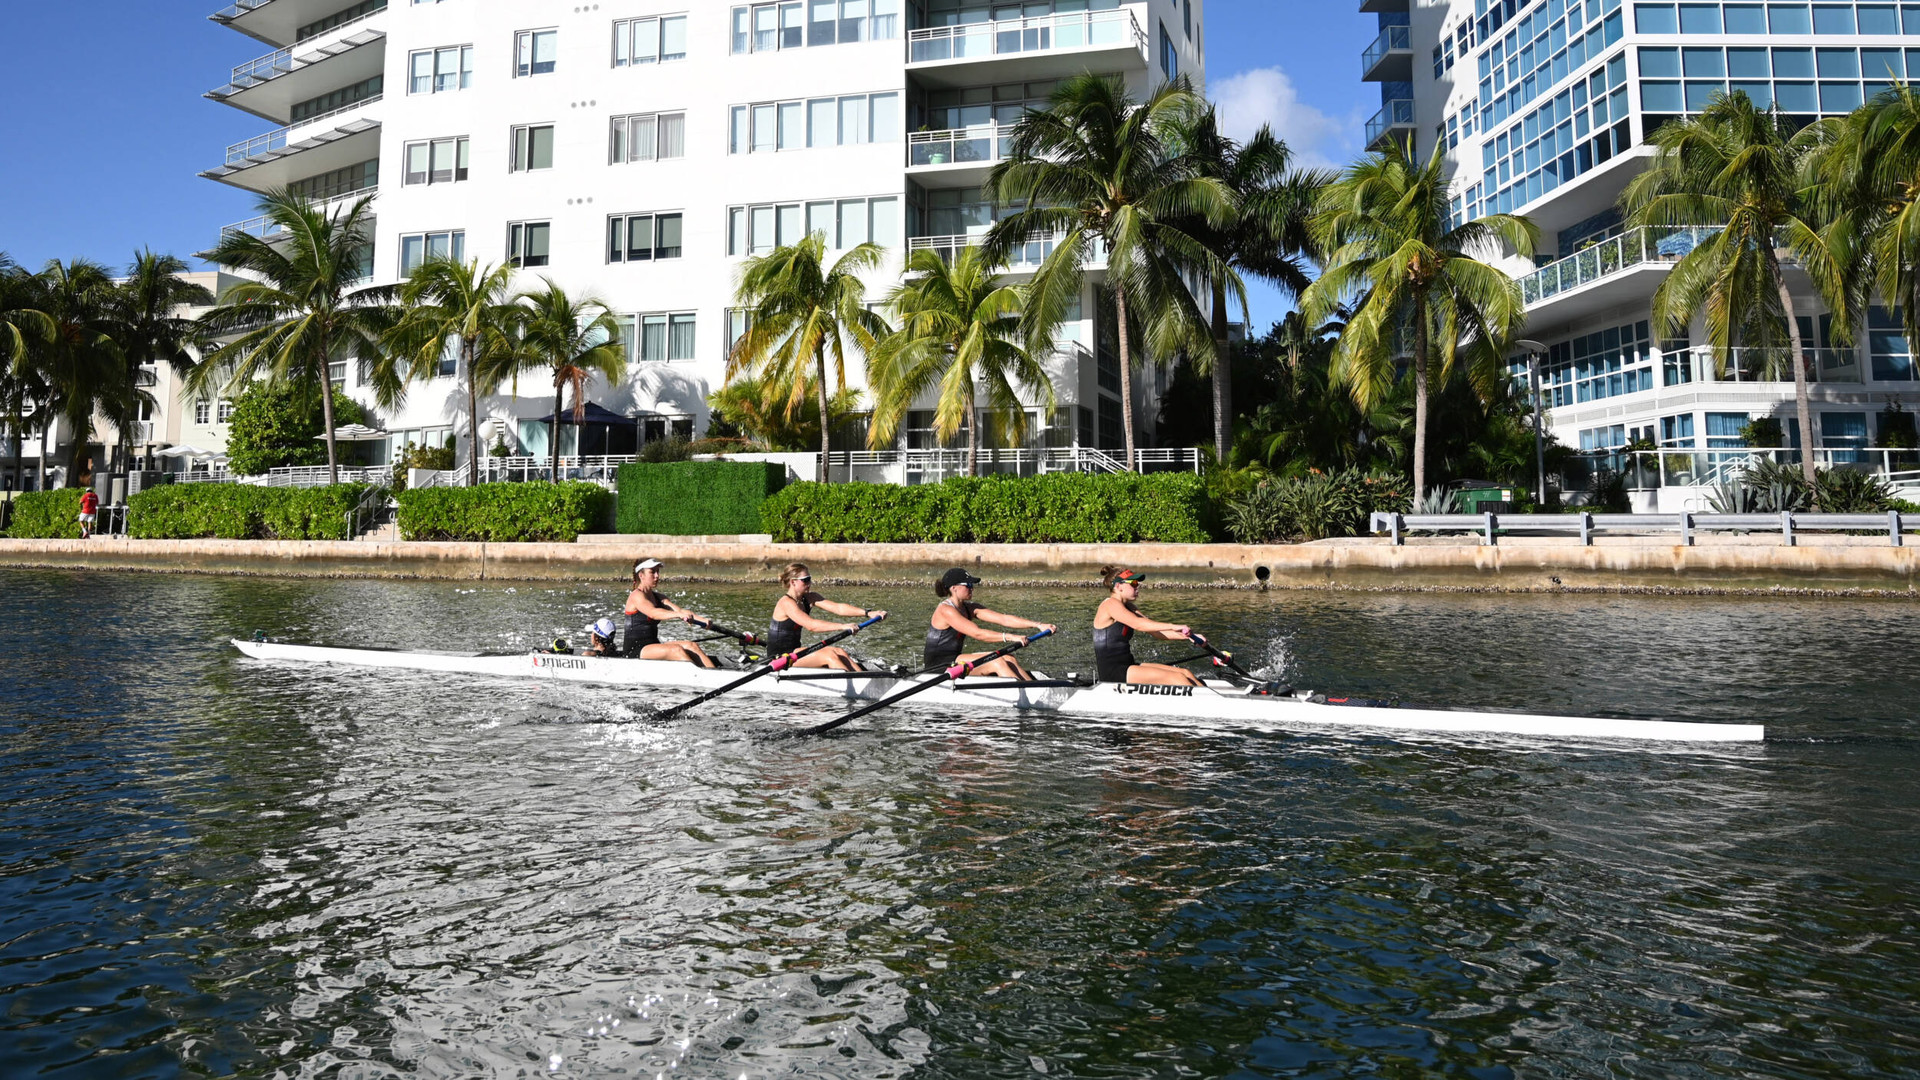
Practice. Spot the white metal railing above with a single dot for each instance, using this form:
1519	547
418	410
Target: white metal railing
960	146
1892	524
1041	33
280	62
234	11
306	476
1030	254
1645	470
259	145
906	467
1747	365
263	226
1634	247
518	468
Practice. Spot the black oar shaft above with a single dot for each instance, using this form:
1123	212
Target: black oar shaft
779	663
958	671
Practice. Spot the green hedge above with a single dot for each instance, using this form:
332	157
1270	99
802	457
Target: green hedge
242	512
1072	508
46	515
696	498
504	513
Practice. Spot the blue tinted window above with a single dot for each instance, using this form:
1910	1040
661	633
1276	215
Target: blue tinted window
1793	63
1839	97
1746	19
1839	64
1704	63
1617	70
1878	19
1699	18
1795	97
1881	64
1788	19
1661	97
1910	18
1699	94
1655	19
1660	63
1747	63
1833	18
1759	93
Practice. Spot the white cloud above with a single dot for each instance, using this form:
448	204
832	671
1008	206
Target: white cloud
1267	96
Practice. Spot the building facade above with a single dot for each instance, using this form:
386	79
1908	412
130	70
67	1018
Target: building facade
638	151
1543	108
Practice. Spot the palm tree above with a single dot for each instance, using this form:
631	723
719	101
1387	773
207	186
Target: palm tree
572	340
1267	236
303	311
78	362
1743	170
1098	170
1384	225
959	327
20	326
150	328
465	307
1869	184
800	311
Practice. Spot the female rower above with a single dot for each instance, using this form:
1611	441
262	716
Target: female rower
600	639
1114	625
958	618
794	613
647	609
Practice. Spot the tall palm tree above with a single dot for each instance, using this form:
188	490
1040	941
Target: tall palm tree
1745	170
1868	174
1267	236
959	328
78	362
303	309
799	313
20	325
151	329
1384	225
463	306
1097	170
572	340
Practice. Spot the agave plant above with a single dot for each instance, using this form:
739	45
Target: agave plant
1437	501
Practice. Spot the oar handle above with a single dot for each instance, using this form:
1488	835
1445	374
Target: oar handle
958	671
742	636
1221	657
780	663
787	660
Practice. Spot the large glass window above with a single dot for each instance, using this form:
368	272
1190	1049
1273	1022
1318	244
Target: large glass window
1602	364
815	122
1887	347
435	71
794	24
643	237
756	230
657	337
648	137
437	161
536	51
533	147
416	248
529	243
653	40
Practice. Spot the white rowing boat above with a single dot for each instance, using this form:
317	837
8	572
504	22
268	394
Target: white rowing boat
1216	701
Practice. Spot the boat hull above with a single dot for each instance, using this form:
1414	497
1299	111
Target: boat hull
1215	702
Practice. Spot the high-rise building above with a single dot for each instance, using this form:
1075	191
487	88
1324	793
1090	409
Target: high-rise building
639	151
1543	108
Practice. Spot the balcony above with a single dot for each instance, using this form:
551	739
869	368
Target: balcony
1393	121
276	22
1038	48
281	141
958	157
1024	259
265	228
257	165
1610	272
1369	7
269	86
1390	57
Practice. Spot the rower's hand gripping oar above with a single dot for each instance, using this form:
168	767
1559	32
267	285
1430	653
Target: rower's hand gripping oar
779	663
742	636
957	671
1223	659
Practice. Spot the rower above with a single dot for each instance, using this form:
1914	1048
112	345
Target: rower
958	618
600	639
794	613
647	609
1114	625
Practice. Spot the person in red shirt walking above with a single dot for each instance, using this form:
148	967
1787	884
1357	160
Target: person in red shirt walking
89	511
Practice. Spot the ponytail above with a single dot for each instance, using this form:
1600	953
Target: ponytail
793	570
1108	573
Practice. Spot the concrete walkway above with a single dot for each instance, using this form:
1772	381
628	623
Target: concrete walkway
1719	564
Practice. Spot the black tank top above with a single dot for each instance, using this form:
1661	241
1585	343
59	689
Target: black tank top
783	635
642	629
943	644
1113	651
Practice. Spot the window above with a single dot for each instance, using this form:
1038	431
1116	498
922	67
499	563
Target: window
756	230
1169	55
816	122
533	148
794	24
437	161
435	71
1186	15
338	18
528	242
338	99
652	40
658	336
1887	346
225	412
1723	430
535	52
337	372
416	248
649	137
203	411
337	182
643	237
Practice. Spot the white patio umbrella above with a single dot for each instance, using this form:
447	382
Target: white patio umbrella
184	451
355	433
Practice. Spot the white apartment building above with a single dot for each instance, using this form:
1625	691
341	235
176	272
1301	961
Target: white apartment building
1544	107
640	150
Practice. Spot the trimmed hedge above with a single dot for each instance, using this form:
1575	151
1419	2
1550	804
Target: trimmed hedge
536	511
242	512
1069	508
696	498
46	515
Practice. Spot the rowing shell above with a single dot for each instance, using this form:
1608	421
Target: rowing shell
1215	702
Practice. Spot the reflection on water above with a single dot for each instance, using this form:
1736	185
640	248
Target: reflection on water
224	867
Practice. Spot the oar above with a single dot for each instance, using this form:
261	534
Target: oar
742	636
779	663
957	671
1225	659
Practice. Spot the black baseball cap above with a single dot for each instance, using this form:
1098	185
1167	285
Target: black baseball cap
955	576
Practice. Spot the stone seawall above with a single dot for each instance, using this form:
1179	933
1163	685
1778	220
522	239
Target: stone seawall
1839	564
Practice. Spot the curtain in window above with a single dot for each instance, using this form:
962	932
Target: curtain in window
642	139
668	241
820	26
422	80
823	125
673	38
646	41
681	338
639	238
653	338
417	155
673	135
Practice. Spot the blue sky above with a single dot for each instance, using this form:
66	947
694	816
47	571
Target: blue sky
106	129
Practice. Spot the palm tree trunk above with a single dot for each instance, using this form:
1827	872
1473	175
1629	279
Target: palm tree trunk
326	417
826	425
1126	370
1803	404
46	428
973	438
473	414
1419	398
1222	376
553	434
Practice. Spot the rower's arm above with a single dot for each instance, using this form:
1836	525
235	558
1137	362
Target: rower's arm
790	610
665	611
1011	621
1169	631
849	610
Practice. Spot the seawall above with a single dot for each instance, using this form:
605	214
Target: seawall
1855	565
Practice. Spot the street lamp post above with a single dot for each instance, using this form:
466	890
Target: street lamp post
1535	351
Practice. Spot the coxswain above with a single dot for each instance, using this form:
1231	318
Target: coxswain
794	613
1114	625
958	618
600	639
646	609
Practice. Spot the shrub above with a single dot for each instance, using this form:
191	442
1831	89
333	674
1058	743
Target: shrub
695	498
46	515
1845	491
281	424
504	513
657	451
1076	508
1316	506
242	512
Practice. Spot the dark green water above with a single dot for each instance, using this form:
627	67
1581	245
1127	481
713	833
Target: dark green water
212	866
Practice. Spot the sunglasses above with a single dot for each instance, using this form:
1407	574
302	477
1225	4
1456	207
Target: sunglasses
804	580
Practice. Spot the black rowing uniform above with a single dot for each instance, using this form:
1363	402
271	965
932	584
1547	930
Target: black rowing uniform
783	635
944	644
1113	650
642	629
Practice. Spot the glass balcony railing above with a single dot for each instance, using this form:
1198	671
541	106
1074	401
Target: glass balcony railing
1635	247
262	145
959	146
1392	39
1042	33
1026	257
1395	115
